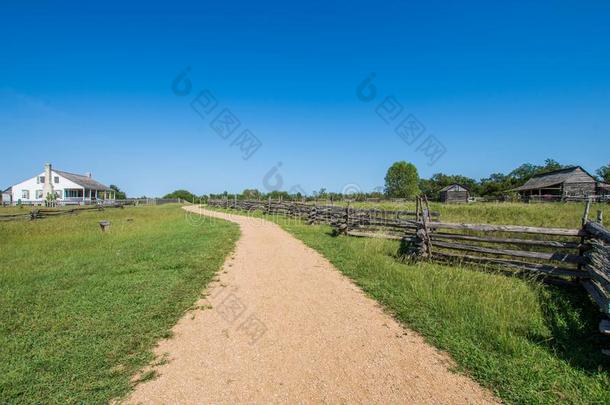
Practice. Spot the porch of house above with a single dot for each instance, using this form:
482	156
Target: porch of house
87	196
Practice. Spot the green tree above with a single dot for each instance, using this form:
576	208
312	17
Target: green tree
431	187
119	195
495	184
251	194
604	173
402	180
322	194
276	195
183	194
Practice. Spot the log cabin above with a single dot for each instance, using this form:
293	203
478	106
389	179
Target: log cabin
454	193
561	185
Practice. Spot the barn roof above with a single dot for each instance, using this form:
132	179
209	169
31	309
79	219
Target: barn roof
551	179
84	181
450	186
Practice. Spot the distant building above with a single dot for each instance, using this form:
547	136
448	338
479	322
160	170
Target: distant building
562	184
7	197
454	193
67	188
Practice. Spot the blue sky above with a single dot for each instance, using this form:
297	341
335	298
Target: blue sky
89	88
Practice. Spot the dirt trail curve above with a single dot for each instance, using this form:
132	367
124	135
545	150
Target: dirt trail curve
286	327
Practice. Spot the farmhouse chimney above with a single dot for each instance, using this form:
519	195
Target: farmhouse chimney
48	181
88	174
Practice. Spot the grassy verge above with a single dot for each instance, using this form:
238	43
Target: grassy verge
529	343
80	310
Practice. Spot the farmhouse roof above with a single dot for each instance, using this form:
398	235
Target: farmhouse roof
8	190
553	178
450	186
84	181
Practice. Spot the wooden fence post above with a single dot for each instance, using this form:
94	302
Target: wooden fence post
347	218
313	213
585	216
600	217
585	219
427	241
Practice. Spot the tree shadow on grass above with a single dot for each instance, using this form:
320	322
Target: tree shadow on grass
574	324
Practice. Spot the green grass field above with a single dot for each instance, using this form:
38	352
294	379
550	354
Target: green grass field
80	310
527	342
563	215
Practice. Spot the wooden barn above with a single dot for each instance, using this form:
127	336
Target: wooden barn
563	184
454	193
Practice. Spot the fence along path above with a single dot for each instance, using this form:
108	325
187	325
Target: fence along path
43	212
547	251
575	256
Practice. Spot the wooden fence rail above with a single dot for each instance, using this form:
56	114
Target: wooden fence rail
43	212
548	251
598	265
39	213
570	255
576	256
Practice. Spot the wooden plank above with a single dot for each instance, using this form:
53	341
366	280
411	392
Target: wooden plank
508	228
515	264
555	256
15	217
382	225
585	216
604	327
599	295
374	235
531	242
598	231
598	275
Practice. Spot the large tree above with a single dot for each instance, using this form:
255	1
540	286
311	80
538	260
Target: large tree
183	194
604	173
251	194
431	187
402	180
119	194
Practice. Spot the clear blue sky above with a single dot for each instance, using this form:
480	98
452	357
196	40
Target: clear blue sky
89	88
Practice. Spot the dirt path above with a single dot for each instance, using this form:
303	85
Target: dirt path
284	326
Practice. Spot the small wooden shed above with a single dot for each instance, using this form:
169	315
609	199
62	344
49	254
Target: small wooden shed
454	193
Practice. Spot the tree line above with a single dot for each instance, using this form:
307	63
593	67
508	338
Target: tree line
402	181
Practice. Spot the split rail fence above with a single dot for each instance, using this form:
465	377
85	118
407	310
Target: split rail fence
575	256
44	212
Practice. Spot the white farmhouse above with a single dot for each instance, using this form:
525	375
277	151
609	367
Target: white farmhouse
67	188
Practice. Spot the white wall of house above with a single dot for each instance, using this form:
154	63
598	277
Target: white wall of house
30	191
